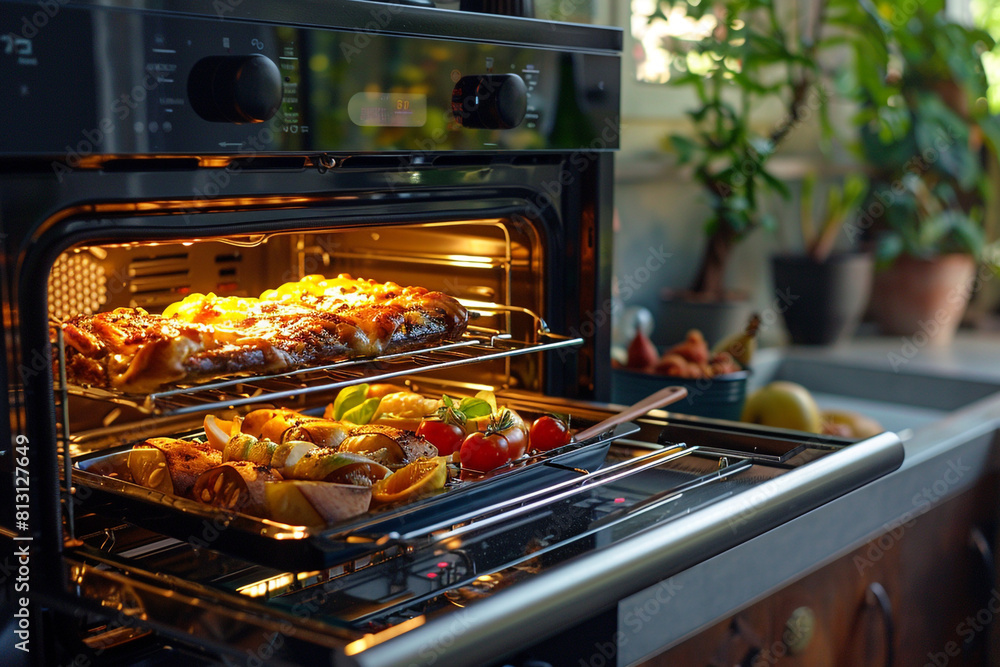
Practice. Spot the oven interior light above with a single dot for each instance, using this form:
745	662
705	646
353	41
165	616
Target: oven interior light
369	640
474	260
262	588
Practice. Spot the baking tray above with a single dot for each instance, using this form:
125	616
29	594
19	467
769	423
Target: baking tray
111	492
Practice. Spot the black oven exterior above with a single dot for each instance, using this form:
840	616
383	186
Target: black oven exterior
252	121
130	145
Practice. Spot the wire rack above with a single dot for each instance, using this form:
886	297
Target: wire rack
477	345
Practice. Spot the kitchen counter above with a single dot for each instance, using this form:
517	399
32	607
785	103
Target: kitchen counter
944	404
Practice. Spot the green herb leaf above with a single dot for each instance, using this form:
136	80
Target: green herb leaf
363	413
348	399
473	408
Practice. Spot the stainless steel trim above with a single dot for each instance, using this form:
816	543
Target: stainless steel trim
596	581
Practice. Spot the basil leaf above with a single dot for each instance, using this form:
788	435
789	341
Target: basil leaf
349	398
362	414
473	408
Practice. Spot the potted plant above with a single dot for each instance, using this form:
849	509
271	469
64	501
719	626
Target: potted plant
927	134
753	55
831	287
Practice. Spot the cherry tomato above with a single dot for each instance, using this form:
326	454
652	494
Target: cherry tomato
446	437
509	424
547	433
484	451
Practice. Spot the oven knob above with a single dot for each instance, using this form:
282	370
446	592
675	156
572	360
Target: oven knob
235	89
490	101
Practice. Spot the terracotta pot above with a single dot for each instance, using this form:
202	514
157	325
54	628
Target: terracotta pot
829	296
923	298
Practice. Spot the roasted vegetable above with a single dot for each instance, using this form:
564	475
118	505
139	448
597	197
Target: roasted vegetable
288	454
245	447
309	503
185	460
253	422
148	466
401	446
276	427
321	432
219	431
237	485
330	465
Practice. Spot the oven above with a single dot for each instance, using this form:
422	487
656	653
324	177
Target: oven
163	149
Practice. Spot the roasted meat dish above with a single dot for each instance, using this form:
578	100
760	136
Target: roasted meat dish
310	322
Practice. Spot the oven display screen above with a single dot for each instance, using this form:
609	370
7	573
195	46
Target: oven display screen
388	109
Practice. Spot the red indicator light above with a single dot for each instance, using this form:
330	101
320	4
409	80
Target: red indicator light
619	500
442	564
431	575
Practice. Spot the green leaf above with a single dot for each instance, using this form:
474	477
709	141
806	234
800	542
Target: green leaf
685	147
473	408
775	184
349	398
363	413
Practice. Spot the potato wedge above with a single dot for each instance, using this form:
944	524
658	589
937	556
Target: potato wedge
311	503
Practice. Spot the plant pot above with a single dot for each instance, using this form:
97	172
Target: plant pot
716	319
923	298
825	300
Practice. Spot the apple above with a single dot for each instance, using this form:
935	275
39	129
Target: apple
784	405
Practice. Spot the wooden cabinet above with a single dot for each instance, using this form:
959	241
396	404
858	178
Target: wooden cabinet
922	593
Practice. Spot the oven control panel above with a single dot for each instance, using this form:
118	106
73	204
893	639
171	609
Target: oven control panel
490	101
235	89
104	81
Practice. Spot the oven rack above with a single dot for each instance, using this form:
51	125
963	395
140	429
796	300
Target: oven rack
479	344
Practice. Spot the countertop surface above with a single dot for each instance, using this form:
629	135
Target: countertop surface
945	405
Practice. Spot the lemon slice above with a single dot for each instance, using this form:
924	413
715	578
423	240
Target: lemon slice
148	467
421	477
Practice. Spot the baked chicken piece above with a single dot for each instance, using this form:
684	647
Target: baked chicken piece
311	322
